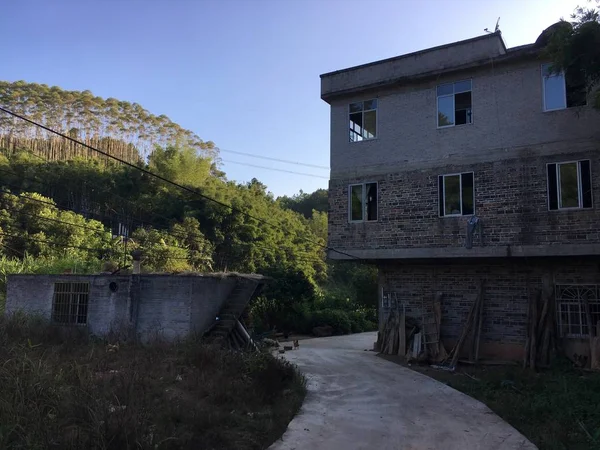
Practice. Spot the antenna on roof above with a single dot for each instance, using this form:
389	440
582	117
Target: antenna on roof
496	28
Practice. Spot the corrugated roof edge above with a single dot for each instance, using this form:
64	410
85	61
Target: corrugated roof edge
419	52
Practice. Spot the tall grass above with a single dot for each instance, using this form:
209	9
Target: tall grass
59	389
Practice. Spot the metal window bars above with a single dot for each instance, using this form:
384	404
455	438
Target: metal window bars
70	303
571	315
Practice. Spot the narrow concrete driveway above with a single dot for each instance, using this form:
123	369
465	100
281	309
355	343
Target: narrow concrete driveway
359	401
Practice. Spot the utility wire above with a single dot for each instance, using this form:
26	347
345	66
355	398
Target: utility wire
166	180
170	233
268	158
274	169
43	241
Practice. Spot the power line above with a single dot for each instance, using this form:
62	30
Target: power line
274	169
268	158
166	180
170	233
188	249
43	241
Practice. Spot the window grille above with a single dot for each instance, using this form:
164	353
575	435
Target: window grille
571	316
70	303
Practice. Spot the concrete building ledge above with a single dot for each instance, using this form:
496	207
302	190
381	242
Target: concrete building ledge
504	251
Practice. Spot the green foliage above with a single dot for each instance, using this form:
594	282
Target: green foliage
575	47
305	203
121	128
335	318
182	165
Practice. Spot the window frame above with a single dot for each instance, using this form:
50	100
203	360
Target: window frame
460	183
363	119
66	294
579	186
437	104
574	305
364	202
564	78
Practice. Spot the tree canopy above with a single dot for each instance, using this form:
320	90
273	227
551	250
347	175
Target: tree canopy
575	46
121	128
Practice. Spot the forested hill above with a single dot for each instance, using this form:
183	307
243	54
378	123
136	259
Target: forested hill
123	129
62	208
59	200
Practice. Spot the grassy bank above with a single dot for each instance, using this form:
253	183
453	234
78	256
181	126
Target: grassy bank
61	390
558	409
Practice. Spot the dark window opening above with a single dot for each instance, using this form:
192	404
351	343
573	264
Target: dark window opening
569	185
70	303
454	104
363	202
456	194
363	120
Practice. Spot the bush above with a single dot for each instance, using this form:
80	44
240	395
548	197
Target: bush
362	320
78	394
335	318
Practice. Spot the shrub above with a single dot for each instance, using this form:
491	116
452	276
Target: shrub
335	318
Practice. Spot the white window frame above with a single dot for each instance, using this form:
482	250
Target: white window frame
364	201
363	119
579	186
460	174
564	79
574	304
437	104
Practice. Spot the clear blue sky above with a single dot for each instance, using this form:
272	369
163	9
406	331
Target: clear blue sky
242	73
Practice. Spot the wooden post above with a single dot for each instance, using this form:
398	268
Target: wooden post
479	324
465	332
533	333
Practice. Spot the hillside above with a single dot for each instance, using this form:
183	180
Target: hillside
61	207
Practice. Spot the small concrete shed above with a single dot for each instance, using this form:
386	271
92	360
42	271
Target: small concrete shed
165	305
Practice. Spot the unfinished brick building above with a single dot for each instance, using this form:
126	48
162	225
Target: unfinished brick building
424	143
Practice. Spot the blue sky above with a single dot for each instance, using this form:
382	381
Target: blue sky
242	73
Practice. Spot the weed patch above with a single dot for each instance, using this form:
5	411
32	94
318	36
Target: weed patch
60	389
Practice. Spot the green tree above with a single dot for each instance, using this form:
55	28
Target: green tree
305	203
575	46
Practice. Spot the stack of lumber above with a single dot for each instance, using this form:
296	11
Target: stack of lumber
399	333
541	341
471	332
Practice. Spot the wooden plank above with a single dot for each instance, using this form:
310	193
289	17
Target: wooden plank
437	311
479	323
533	332
528	338
465	332
402	339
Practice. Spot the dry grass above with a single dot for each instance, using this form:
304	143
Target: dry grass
61	390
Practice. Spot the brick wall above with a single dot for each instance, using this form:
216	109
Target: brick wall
510	199
509	283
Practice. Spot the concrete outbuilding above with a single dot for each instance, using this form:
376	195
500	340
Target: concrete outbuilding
153	305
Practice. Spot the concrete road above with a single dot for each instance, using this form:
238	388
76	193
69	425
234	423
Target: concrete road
358	401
